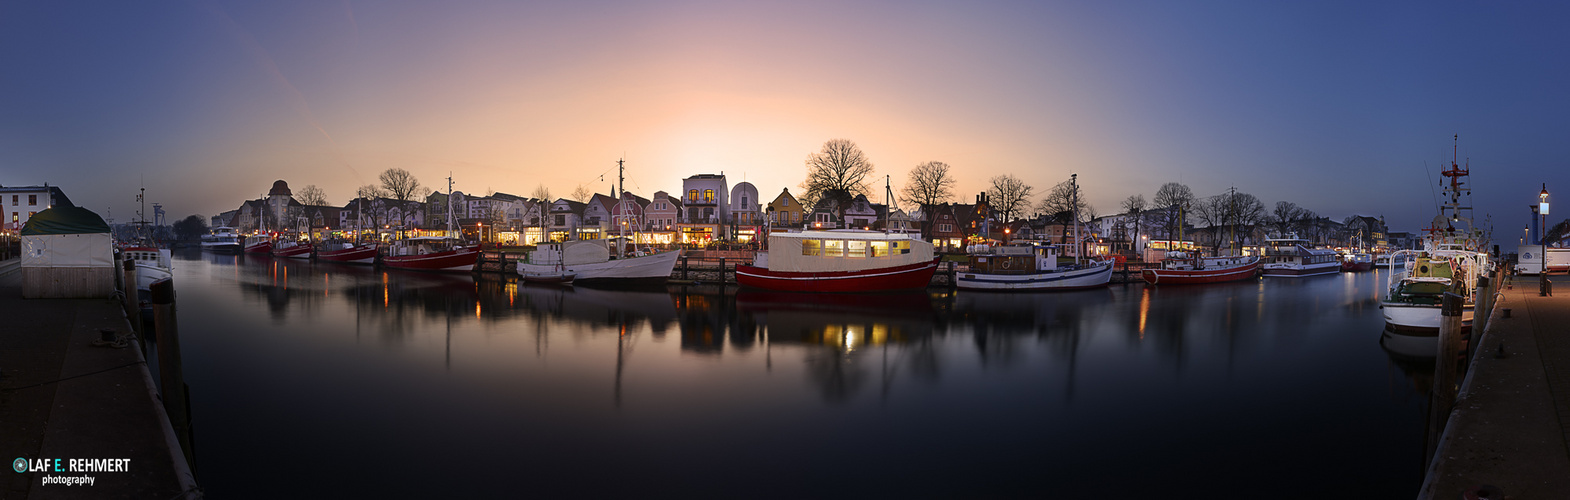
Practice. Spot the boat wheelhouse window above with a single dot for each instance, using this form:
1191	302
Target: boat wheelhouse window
833	248
901	247
812	247
855	248
880	249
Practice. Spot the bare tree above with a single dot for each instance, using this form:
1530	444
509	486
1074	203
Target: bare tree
1284	216
312	195
1174	199
581	194
1135	207
1060	203
542	193
1009	196
840	166
401	185
928	185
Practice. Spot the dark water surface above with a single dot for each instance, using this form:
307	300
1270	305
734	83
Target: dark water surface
323	380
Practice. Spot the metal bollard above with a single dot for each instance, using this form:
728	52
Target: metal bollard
169	368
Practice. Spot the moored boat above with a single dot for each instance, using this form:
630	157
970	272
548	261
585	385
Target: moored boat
589	261
347	253
1029	268
292	249
221	239
549	278
840	260
1293	257
1356	262
430	253
1413	301
259	244
1179	268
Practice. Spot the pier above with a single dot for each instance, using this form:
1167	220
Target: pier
65	396
1509	433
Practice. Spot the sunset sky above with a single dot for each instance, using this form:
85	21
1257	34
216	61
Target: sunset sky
1335	106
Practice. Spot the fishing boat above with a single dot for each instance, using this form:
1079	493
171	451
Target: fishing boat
346	253
1451	261
840	260
1183	268
1293	257
1029	268
1356	262
292	249
259	244
1416	291
431	253
221	239
1032	267
590	261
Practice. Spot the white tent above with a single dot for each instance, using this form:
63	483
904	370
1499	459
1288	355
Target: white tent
67	252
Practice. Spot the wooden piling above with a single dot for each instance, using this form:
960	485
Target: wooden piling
170	371
1442	396
1480	313
132	311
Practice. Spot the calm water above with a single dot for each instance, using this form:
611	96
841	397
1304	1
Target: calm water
330	380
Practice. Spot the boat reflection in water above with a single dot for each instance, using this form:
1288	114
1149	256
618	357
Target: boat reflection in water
381	368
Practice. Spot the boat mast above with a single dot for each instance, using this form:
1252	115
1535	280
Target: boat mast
1079	245
888	204
449	204
621	209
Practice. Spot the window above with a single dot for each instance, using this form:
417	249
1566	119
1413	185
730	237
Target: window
692	196
743	201
880	249
561	220
812	247
32	199
833	248
784	203
708	212
13	199
15	217
855	248
708	196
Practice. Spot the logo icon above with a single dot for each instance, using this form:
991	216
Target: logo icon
19	465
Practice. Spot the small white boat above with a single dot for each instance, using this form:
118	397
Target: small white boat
221	239
1029	268
1293	257
590	261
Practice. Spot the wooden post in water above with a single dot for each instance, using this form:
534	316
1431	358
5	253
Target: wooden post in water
722	270
171	374
684	268
1443	394
132	312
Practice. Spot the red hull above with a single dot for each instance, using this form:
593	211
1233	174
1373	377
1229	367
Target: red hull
460	260
356	255
1356	267
1176	277
295	252
263	247
913	276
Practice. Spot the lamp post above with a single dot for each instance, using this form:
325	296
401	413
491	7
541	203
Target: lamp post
1542	211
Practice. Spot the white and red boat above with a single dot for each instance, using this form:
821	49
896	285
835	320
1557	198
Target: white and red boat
430	253
1356	262
1293	257
347	253
840	260
1181	269
1029	268
292	249
259	244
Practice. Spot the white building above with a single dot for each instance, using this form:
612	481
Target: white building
20	203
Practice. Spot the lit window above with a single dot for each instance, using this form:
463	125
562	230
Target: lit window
880	249
708	196
855	248
811	247
833	248
692	195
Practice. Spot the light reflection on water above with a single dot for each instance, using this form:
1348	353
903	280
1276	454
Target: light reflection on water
387	383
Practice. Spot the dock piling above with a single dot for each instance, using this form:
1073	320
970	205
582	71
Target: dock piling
171	374
132	312
1443	394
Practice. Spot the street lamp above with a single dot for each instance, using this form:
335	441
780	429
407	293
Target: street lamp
1542	211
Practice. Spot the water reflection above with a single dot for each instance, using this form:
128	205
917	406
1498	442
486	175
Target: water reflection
1119	377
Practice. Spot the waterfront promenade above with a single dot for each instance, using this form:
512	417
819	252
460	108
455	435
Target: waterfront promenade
1511	424
62	397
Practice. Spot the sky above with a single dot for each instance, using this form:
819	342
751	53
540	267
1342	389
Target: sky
1338	107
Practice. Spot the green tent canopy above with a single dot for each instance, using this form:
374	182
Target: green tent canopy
65	220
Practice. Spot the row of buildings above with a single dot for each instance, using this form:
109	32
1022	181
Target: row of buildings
709	210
